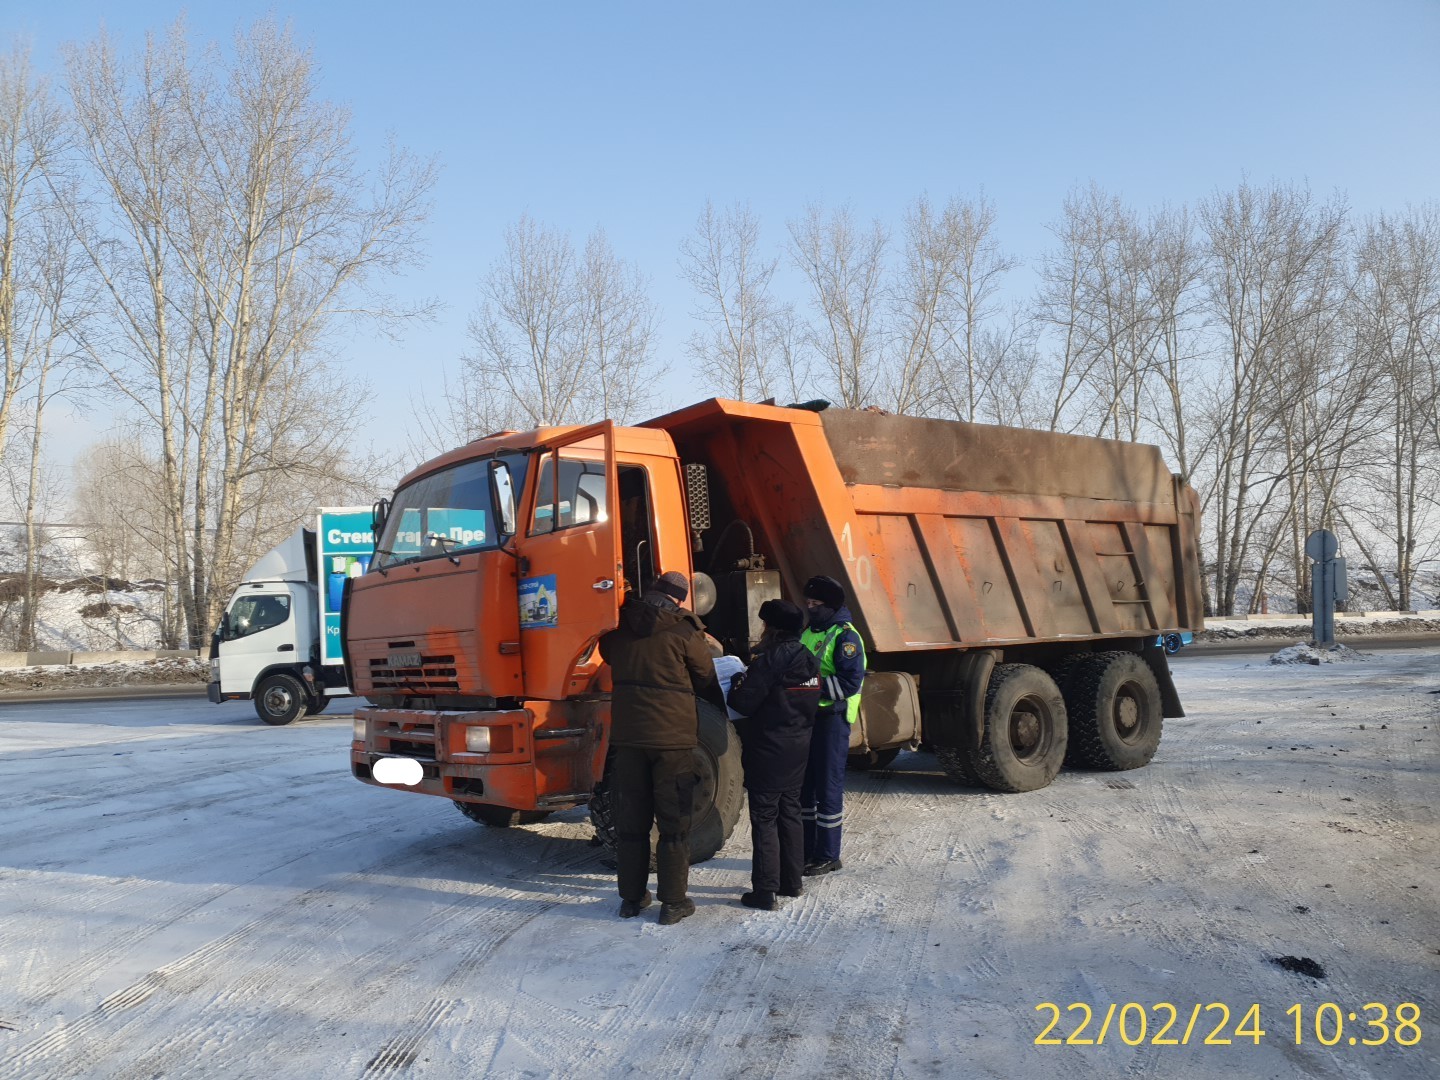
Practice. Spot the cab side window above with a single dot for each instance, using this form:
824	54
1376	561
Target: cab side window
251	614
581	494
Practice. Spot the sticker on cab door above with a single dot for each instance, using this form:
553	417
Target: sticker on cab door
539	603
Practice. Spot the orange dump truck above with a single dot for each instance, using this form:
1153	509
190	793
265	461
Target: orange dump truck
1011	586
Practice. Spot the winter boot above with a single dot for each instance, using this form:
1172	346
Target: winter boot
630	908
765	901
670	914
824	866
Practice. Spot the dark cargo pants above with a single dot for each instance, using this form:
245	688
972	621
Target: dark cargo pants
822	796
778	842
653	786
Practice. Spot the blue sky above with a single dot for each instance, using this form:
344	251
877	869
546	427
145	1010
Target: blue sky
630	116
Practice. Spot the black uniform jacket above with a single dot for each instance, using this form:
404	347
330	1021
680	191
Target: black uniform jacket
778	697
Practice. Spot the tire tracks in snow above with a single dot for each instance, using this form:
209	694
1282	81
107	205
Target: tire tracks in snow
479	920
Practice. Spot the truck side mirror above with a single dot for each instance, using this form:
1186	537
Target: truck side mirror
379	514
502	496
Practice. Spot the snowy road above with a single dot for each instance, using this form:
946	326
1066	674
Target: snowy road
187	893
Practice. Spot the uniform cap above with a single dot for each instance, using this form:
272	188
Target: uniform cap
827	590
782	615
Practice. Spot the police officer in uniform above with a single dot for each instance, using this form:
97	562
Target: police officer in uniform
776	700
836	644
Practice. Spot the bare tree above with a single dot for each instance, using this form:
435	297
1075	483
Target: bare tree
529	329
723	264
1396	315
1061	307
234	234
1173	274
793	372
557	340
967	266
56	376
1098	291
1271	255
618	323
31	144
844	267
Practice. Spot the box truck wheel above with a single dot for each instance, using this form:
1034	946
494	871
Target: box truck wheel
1023	745
280	699
499	817
719	794
1113	702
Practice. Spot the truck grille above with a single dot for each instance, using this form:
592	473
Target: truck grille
411	740
435	674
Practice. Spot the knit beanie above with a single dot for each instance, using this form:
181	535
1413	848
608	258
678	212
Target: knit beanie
672	584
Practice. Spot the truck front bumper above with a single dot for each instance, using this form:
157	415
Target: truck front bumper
519	771
212	691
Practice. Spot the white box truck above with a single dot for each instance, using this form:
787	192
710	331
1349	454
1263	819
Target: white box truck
278	642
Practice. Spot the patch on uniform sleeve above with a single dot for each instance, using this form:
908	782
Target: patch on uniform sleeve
849	648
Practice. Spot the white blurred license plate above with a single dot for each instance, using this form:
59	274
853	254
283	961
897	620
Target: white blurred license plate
398	770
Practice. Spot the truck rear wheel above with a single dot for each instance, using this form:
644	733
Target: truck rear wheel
499	817
719	793
1113	703
1025	735
280	699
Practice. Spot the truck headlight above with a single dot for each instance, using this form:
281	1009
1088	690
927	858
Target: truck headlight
359	730
215	670
477	740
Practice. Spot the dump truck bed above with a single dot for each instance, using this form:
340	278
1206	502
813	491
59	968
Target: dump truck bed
953	535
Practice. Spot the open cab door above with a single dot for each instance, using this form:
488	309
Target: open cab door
571	582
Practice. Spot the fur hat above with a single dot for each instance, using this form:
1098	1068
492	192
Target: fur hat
782	615
672	584
827	590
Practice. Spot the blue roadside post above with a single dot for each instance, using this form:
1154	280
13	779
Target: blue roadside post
1328	583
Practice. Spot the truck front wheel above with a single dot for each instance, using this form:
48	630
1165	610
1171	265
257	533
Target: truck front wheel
280	699
1026	731
499	817
1113	702
719	792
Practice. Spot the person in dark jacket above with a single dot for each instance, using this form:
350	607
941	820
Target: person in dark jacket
778	697
836	643
659	662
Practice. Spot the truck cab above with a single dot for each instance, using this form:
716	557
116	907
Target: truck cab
267	630
278	639
496	570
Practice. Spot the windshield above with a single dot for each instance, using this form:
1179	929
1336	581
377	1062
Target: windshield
446	512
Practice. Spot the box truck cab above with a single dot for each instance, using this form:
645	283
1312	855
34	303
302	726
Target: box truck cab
278	642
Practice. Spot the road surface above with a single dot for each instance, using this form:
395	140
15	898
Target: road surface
185	892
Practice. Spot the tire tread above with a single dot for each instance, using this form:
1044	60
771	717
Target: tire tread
1088	747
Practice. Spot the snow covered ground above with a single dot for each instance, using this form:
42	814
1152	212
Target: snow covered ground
185	892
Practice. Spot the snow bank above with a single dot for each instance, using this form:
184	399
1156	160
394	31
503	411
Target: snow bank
165	671
1303	653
